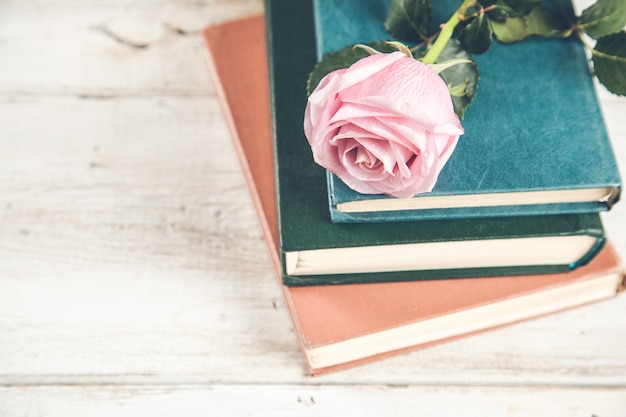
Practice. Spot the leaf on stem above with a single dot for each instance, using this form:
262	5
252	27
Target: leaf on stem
544	22
609	62
409	20
540	21
476	36
462	78
513	29
523	7
603	18
497	15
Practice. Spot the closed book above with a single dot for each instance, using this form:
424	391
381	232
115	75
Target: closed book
534	143
340	326
315	251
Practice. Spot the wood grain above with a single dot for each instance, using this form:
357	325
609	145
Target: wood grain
133	276
281	400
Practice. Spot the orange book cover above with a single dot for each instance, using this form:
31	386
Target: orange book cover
345	325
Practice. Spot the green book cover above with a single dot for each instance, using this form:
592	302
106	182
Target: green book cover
304	219
534	141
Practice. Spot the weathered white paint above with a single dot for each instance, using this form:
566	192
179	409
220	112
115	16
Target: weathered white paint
134	279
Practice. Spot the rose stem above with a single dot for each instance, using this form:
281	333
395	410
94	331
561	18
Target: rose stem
446	33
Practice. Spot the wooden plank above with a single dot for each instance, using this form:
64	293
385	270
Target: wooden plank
98	175
145	331
105	48
289	400
133	276
130	253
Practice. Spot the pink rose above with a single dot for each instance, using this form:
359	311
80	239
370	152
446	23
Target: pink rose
385	125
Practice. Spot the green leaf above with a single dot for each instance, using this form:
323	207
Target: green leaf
513	29
457	90
522	7
476	36
342	58
543	22
461	79
409	20
497	15
609	62
603	18
510	8
540	21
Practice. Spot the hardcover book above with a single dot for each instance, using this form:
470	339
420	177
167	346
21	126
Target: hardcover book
345	325
534	143
316	251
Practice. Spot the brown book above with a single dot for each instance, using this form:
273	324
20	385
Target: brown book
344	325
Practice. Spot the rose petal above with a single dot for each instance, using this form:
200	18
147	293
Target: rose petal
384	125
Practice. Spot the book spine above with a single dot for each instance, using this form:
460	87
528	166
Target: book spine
291	55
338	216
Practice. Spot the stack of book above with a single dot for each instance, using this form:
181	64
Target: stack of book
511	231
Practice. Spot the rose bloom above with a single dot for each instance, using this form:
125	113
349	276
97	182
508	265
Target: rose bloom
385	125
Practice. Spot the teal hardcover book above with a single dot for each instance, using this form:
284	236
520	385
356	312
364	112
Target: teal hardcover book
314	250
534	143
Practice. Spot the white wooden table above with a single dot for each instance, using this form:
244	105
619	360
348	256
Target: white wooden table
134	280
